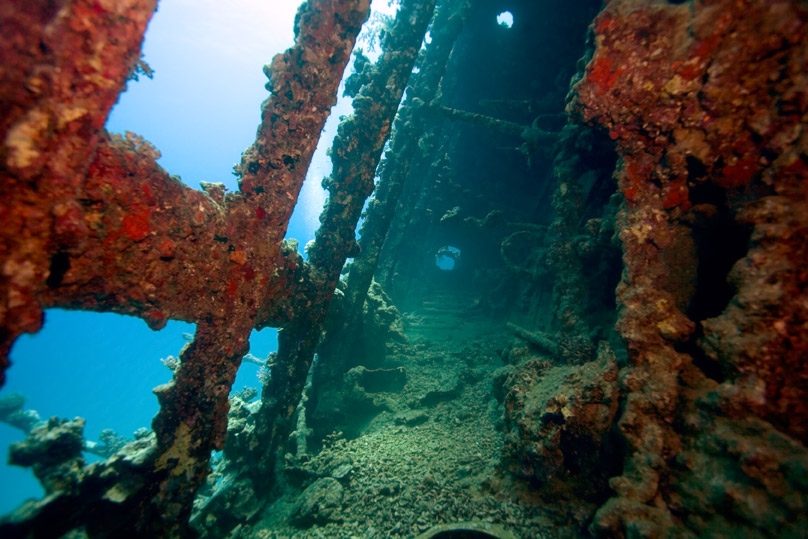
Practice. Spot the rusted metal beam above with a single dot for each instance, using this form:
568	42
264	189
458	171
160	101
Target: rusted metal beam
355	154
449	21
63	66
94	223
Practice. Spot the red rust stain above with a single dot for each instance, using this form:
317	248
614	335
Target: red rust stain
690	71
677	195
705	47
260	213
232	288
148	192
155	315
605	23
603	74
167	248
136	225
738	174
633	176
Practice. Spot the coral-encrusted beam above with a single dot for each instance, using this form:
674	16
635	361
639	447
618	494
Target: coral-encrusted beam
304	82
91	222
449	21
706	103
62	66
155	248
193	415
355	154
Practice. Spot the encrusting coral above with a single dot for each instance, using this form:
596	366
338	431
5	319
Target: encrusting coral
706	103
82	208
365	308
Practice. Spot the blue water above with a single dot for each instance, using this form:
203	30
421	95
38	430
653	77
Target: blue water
201	110
98	366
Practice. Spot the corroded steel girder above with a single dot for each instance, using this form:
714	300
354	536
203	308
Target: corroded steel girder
91	222
449	21
355	154
703	97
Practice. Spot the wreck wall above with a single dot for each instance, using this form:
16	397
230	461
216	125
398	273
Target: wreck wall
707	104
703	105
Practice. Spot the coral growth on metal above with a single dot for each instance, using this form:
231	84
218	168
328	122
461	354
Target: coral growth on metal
707	104
90	221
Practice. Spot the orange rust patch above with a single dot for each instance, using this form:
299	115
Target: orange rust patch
603	74
239	257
